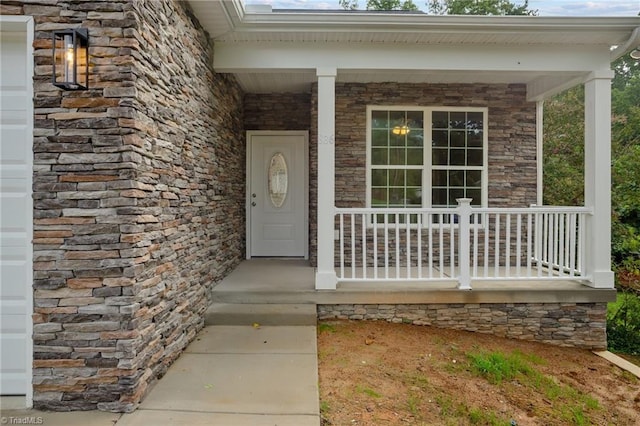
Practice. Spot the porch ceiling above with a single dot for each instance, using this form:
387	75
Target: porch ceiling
240	34
300	81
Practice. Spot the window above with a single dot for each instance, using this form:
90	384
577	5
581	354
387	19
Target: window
426	157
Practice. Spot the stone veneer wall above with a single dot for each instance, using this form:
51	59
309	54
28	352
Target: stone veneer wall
138	198
512	138
581	325
277	111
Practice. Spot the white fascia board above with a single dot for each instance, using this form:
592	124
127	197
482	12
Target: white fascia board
611	30
378	21
271	57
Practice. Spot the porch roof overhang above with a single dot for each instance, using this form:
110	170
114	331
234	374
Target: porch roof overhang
280	50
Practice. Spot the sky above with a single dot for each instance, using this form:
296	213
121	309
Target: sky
544	7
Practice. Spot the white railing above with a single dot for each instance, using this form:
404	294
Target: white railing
461	244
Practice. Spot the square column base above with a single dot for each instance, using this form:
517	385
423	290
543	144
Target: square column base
602	279
326	280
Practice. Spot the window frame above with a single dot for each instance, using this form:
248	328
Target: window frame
427	166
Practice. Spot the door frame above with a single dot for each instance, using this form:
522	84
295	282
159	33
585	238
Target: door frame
249	136
25	24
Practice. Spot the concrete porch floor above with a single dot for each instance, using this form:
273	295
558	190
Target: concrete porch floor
292	281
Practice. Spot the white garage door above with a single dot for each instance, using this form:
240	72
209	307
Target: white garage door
16	166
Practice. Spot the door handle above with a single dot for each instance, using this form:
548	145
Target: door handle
253	195
253	204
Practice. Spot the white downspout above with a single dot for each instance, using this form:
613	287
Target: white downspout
630	44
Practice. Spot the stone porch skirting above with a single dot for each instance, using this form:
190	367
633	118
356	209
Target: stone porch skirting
580	325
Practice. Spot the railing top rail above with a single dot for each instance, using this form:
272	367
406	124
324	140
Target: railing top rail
536	209
363	210
450	210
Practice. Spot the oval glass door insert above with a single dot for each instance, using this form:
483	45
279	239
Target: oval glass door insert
278	180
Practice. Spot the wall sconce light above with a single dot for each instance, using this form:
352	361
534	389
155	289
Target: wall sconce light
71	59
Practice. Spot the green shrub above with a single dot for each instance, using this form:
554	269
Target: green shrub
623	324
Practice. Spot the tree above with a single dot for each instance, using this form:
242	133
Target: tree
479	7
391	5
564	148
564	158
349	4
380	5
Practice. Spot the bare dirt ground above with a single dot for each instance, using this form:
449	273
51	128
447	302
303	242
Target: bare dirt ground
378	373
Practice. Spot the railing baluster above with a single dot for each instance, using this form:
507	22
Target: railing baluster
497	250
487	226
552	242
476	225
545	247
518	244
507	246
452	249
419	243
386	246
353	245
408	223
397	229
561	242
441	251
542	244
341	240
375	246
430	236
582	238
567	246
572	244
529	231
364	246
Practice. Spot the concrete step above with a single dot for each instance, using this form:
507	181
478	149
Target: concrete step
263	314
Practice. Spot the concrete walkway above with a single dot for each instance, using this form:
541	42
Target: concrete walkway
230	375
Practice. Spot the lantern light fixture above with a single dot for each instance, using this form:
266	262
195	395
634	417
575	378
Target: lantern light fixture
401	130
71	59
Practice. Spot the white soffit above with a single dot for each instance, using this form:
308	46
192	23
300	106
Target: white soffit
218	17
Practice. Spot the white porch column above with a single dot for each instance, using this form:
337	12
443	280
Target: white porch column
540	151
597	188
325	273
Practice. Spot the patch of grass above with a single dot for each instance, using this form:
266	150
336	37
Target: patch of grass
368	391
575	415
449	408
413	405
496	366
478	416
570	405
324	407
453	412
630	377
417	380
324	327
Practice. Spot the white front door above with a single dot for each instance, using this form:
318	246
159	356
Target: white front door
277	194
16	229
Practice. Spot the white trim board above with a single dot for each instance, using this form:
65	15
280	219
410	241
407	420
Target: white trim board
25	24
